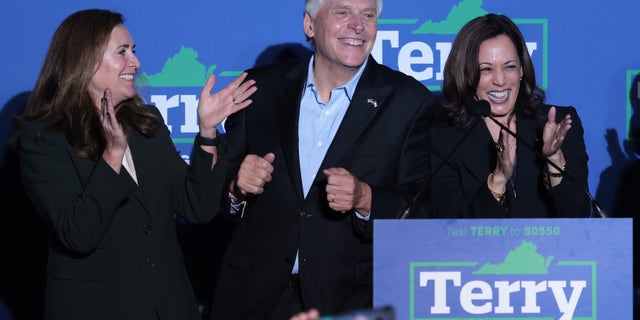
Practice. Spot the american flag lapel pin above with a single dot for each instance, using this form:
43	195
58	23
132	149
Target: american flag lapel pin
373	102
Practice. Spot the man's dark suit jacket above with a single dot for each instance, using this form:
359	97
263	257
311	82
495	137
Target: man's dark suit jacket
113	250
459	187
385	144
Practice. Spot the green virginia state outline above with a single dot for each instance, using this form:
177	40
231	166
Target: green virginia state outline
457	17
522	260
181	70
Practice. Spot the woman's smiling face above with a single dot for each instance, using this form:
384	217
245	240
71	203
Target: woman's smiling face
500	73
117	69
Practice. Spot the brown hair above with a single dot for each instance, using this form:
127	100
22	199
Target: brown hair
462	72
61	99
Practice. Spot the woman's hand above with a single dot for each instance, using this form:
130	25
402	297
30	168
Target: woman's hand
506	156
553	135
214	108
506	151
116	138
552	138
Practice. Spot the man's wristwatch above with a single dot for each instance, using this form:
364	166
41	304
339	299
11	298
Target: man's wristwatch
210	142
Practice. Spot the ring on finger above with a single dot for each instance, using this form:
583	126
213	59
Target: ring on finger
235	102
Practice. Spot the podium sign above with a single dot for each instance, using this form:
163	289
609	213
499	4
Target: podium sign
504	268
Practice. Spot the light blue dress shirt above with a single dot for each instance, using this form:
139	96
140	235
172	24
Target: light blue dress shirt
318	124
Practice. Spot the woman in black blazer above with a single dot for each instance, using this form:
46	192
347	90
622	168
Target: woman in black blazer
480	170
100	167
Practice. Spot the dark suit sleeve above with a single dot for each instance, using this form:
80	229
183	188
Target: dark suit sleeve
200	201
484	202
196	188
237	150
569	196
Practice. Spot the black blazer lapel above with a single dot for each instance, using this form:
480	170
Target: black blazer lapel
288	109
145	175
478	158
367	101
525	178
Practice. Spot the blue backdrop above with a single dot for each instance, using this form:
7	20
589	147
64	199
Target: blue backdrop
586	55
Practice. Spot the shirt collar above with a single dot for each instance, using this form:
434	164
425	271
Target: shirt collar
349	87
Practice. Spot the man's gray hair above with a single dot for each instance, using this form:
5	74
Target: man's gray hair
313	6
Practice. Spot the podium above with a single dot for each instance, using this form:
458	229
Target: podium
504	268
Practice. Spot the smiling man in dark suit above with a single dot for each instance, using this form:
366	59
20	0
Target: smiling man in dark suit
332	143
